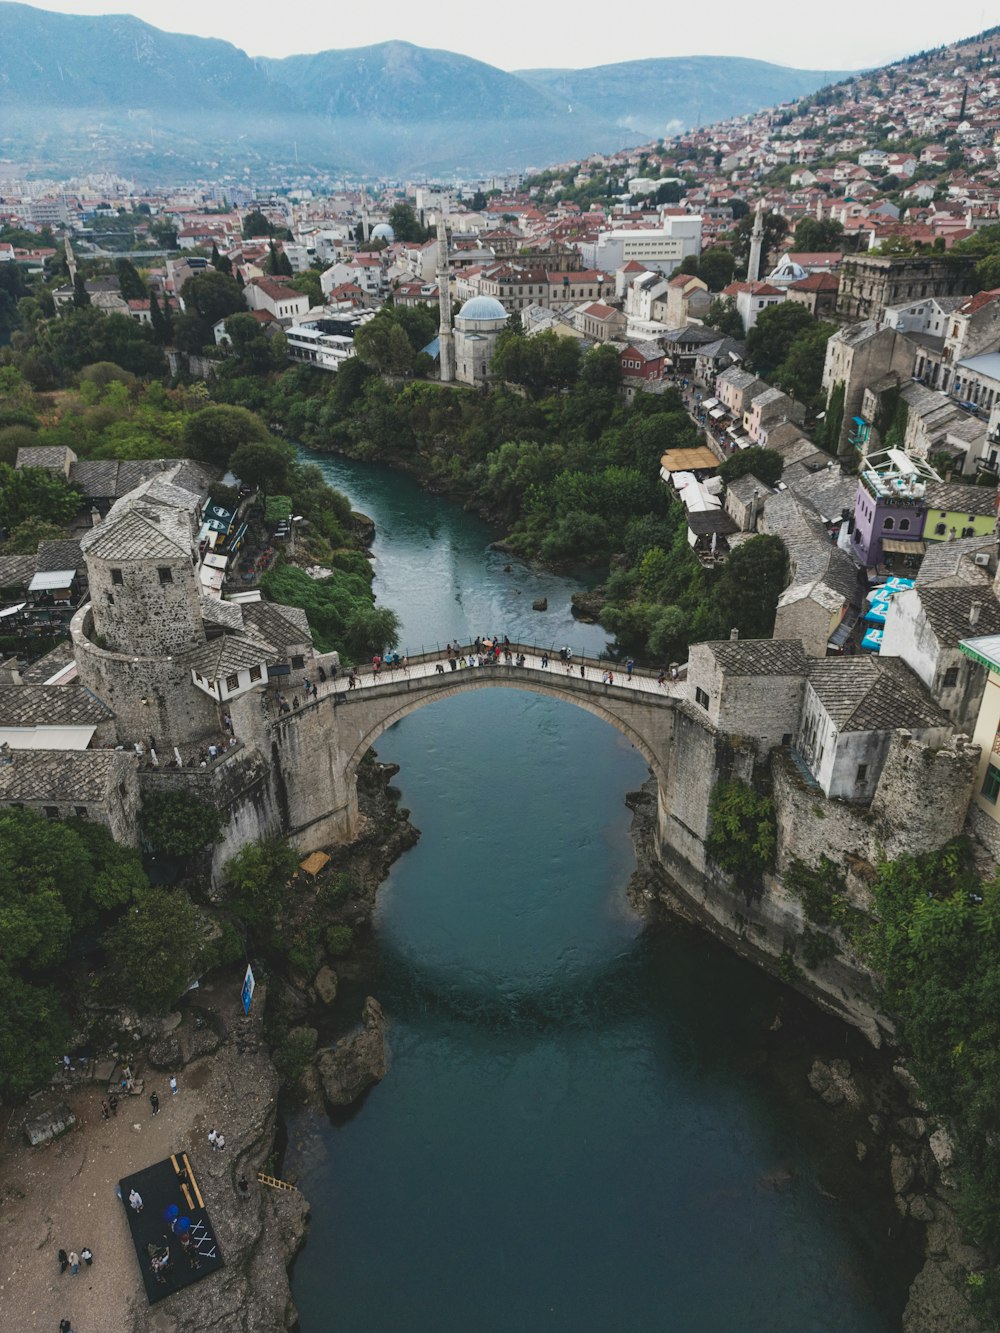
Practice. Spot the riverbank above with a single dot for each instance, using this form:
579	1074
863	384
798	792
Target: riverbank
870	1093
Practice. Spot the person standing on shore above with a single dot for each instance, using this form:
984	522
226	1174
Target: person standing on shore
74	1262
154	1102
173	1085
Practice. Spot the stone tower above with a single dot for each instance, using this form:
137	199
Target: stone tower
756	243
445	338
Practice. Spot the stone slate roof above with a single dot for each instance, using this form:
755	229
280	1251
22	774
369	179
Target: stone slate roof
743	488
110	478
826	489
214	611
705	522
811	554
284	626
952	562
759	657
42	455
867	693
947	611
230	653
50	705
739	378
64	553
138	530
46	667
17	570
62	775
954	498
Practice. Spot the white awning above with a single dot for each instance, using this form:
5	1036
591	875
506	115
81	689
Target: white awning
211	578
716	412
709	403
49	581
12	610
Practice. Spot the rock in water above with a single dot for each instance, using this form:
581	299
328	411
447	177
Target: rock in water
833	1082
540	604
358	1060
325	984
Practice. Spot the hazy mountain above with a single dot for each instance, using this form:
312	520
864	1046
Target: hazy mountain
115	92
648	96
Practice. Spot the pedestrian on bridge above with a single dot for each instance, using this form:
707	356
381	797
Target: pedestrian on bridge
545	661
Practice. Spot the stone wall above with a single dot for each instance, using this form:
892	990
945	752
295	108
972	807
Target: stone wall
163	617
150	696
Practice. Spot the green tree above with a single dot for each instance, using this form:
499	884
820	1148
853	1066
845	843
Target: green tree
715	268
35	1027
405	224
818	235
257	879
209	296
81	297
23	539
34	492
778	327
766	465
130	283
801	371
263	464
153	950
723	316
213	434
752	580
383	343
177	823
742	834
222	263
256	224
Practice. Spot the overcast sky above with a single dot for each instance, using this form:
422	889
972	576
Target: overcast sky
525	34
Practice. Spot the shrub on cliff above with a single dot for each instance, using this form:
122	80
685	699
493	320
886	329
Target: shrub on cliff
742	834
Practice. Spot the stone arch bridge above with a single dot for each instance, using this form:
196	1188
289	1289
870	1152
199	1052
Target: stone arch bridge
315	749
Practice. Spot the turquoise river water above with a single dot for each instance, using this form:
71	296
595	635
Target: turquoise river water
584	1126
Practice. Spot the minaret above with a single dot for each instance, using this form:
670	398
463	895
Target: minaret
756	243
366	228
446	341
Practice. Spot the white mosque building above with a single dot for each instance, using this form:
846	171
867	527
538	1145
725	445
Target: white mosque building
477	326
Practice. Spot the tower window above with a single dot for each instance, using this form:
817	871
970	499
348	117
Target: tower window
166	574
116	576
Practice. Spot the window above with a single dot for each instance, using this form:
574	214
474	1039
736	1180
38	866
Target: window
80	811
700	696
862	772
111	599
232	682
904	525
786	738
950	678
888	523
940	530
298	663
52	811
991	784
166	574
255	673
116	576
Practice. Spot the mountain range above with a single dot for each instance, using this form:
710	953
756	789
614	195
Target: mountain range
112	92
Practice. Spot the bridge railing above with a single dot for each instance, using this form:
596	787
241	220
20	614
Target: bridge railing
439	653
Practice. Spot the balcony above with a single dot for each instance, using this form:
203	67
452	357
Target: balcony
859	433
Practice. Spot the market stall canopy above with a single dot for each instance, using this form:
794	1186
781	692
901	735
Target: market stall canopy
313	864
687	460
894	547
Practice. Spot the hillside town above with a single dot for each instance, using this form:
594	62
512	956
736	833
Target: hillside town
809	297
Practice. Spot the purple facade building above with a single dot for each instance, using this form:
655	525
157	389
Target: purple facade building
890	508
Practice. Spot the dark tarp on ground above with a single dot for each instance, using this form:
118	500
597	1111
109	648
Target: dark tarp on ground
159	1187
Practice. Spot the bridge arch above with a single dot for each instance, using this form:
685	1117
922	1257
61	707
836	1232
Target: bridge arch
479	680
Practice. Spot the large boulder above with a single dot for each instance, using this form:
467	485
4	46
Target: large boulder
358	1060
833	1082
325	985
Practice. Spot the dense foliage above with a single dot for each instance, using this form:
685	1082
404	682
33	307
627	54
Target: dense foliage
67	889
742	835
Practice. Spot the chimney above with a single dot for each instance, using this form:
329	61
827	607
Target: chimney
95	516
734	634
975	610
9	673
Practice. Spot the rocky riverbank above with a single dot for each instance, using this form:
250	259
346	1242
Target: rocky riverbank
876	1103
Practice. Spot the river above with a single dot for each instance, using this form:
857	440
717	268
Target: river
585	1126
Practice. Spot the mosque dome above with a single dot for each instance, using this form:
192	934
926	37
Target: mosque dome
485	308
383	232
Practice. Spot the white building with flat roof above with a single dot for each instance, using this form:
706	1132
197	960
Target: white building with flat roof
656	248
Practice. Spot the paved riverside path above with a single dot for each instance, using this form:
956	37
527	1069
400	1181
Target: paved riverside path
556	674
